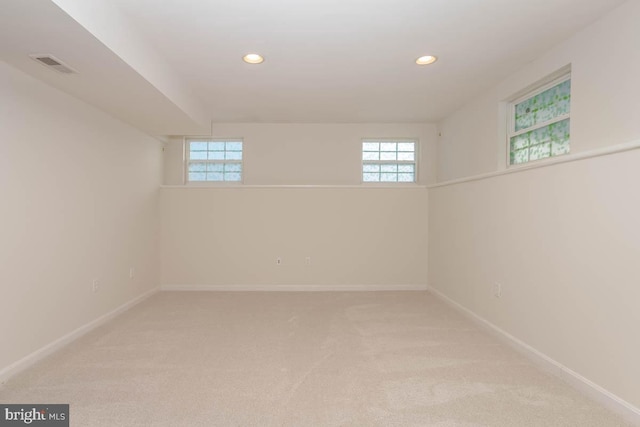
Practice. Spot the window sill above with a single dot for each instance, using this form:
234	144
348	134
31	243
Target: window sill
242	186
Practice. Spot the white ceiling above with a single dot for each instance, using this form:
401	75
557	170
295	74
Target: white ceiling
326	60
104	79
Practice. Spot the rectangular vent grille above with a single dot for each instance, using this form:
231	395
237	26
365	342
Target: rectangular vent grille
53	63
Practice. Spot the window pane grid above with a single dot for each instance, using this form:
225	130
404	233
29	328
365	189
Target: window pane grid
388	161
214	161
541	143
544	106
541	124
200	171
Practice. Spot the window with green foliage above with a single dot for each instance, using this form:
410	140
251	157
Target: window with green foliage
389	160
214	160
539	123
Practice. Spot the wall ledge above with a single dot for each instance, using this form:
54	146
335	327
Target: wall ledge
620	148
249	187
293	288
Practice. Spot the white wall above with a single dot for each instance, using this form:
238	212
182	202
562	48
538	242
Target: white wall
563	240
354	236
79	201
605	90
302	154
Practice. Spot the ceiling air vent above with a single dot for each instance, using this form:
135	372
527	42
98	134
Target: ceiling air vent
54	63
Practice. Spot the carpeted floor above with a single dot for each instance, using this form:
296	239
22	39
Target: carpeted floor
299	359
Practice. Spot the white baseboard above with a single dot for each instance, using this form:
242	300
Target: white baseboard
294	288
61	342
614	403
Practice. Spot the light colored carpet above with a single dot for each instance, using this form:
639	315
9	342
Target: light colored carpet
299	359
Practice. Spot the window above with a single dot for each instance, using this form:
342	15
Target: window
389	161
214	160
539	125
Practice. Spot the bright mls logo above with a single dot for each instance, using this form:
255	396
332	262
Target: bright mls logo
35	415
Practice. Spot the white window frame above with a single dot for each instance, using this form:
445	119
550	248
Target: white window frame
511	122
187	160
413	162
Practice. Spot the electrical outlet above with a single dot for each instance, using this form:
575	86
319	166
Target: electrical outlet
132	272
278	261
95	285
497	290
307	260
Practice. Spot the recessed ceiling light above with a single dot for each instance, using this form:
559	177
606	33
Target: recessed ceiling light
426	60
252	58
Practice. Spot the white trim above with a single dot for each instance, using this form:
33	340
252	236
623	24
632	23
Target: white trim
368	186
389	139
552	161
293	288
503	148
67	339
582	384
